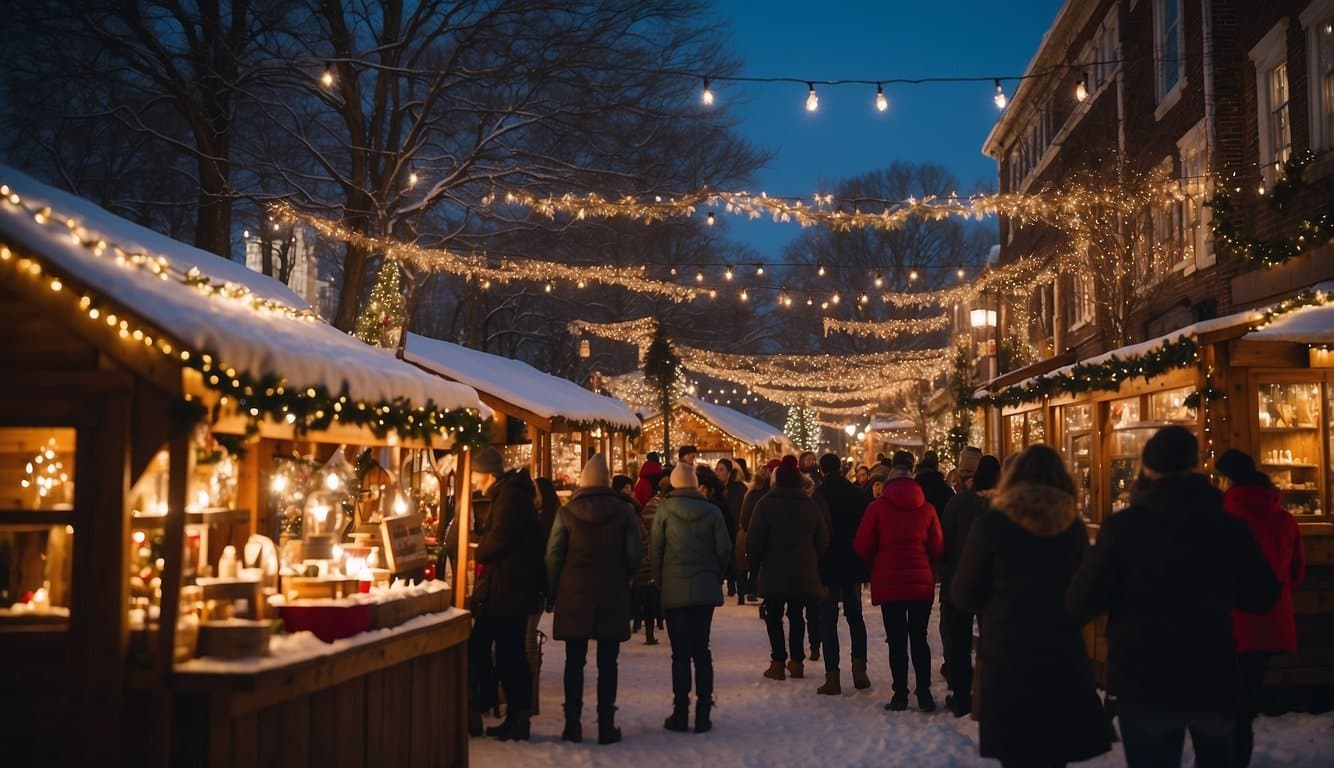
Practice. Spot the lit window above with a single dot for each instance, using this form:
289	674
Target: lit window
1270	58
1197	244
1318	21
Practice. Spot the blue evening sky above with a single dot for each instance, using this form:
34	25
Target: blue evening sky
865	39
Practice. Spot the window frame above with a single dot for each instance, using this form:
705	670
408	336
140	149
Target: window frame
1168	95
1197	180
1316	20
1266	55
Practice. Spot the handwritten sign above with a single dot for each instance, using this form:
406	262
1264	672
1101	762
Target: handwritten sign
404	542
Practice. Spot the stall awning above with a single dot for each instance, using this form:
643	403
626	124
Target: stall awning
249	324
745	428
1307	325
519	384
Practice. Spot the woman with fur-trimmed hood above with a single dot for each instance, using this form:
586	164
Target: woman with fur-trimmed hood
1038	702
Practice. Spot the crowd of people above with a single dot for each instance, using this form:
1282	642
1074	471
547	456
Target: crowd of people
1196	585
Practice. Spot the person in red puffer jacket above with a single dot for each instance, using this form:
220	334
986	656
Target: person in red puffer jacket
649	474
1252	497
900	537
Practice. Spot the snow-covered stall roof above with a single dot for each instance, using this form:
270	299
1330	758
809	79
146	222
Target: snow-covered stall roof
520	384
735	423
1307	325
245	320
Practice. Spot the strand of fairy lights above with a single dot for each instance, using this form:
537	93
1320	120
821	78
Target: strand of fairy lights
886	329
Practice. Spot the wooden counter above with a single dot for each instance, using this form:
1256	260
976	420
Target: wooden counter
397	699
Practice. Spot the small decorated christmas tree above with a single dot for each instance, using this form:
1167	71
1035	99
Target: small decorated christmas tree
384	316
801	428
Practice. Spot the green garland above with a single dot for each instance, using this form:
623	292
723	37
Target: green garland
1312	232
1107	376
316	408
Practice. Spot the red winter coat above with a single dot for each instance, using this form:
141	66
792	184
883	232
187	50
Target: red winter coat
1280	540
649	474
900	537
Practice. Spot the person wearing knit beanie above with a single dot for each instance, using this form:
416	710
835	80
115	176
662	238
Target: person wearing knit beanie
683	476
1171	450
787	477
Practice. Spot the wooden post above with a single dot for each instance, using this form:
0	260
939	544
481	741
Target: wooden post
462	524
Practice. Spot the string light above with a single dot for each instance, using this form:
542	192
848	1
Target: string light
879	280
887	329
327	79
812	101
706	96
709	218
412	179
727	274
1082	89
912	275
881	102
999	98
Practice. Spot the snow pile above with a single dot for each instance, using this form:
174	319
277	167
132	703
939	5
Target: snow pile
1308	325
260	342
760	722
520	384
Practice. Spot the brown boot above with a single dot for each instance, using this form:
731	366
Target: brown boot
833	686
795	669
859	679
775	671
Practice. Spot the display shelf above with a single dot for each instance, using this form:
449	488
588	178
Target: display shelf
1293	464
210	516
1311	428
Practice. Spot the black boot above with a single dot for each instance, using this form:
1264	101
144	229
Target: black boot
680	719
574	731
516	727
608	733
703	708
649	638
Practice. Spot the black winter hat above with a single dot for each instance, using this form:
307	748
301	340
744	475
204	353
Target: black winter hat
830	464
1171	449
1235	465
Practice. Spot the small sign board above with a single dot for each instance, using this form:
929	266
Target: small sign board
404	542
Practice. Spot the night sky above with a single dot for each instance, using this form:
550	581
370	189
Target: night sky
938	123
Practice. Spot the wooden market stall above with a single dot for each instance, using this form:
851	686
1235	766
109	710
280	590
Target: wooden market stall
548	424
131	358
717	432
1259	380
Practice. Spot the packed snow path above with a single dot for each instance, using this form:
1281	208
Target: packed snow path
761	722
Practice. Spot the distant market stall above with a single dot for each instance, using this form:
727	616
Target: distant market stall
182	450
716	431
548	424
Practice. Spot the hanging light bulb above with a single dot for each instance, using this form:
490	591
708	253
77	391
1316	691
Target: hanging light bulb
699	277
809	301
706	96
709	218
759	269
727	274
912	275
834	299
881	102
1082	89
960	273
999	98
327	79
820	271
412	179
745	296
879	280
812	101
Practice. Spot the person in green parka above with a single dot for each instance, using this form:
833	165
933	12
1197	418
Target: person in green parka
690	549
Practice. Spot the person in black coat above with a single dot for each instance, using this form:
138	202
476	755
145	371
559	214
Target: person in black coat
1039	705
937	490
735	495
1167	571
842	572
956	624
506	592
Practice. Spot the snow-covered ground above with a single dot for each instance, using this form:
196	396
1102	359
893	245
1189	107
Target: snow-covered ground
761	722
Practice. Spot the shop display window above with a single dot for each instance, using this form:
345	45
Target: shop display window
36	481
566	459
1025	429
1077	447
1133	420
1290	417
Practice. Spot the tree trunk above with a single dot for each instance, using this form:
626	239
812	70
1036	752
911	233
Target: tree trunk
213	225
349	294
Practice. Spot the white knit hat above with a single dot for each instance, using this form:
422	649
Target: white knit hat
595	473
683	476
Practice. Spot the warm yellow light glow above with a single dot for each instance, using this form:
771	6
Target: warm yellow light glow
999	98
707	95
812	101
327	78
881	102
